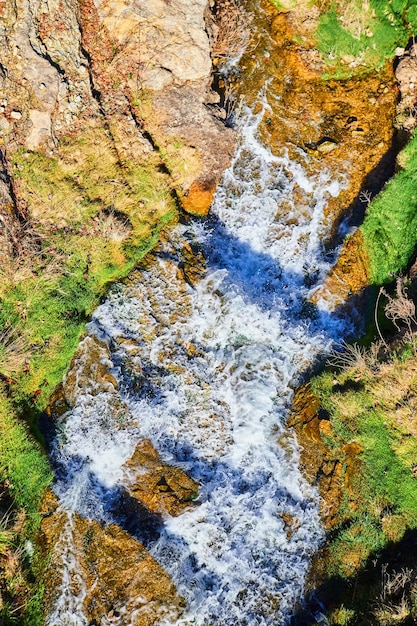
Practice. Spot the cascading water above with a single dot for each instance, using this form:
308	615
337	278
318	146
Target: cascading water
206	372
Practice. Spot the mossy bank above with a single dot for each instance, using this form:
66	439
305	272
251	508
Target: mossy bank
356	424
91	222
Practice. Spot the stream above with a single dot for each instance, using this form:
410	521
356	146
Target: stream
206	371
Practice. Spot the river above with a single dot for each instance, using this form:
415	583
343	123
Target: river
217	410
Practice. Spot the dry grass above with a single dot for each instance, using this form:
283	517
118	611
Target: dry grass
401	308
234	29
356	17
394	604
14	351
355	357
112	226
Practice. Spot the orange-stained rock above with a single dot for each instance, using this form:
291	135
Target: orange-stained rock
348	277
178	116
356	114
199	198
160	487
318	462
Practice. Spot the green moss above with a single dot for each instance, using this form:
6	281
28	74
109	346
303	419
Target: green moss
25	469
354	544
354	38
386	476
94	219
364	405
390	226
22	462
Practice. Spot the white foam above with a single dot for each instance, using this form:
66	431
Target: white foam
219	411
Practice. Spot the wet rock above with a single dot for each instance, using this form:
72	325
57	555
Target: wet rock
89	371
326	145
291	524
323	146
311	110
192	264
348	277
317	460
159	486
110	574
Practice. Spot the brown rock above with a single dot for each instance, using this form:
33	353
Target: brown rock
348	277
193	264
113	573
317	460
160	487
89	370
305	109
291	524
179	113
325	428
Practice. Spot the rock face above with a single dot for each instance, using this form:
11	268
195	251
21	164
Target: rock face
89	371
406	75
348	277
317	461
332	471
159	487
113	577
71	66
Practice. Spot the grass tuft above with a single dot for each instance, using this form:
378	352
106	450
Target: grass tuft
390	226
356	37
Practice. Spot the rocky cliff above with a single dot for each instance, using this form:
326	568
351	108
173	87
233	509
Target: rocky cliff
137	73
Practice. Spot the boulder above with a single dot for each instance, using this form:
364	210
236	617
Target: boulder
161	488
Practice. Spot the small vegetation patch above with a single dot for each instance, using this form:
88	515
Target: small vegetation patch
390	226
24	476
355	36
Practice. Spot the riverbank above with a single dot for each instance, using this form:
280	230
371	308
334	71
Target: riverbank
94	166
355	423
103	150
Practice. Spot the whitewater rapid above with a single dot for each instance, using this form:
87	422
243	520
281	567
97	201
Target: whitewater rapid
220	358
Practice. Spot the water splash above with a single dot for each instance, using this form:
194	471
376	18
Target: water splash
206	372
68	610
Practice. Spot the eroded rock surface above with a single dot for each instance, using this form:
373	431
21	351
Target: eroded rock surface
89	371
348	277
158	486
333	472
317	461
68	67
110	575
